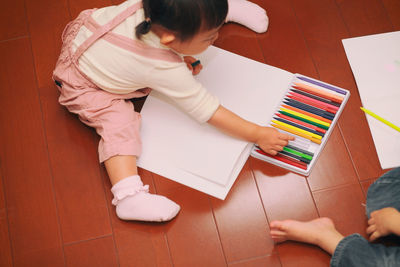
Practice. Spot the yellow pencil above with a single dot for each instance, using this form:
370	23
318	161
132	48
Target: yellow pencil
297	133
388	123
316	136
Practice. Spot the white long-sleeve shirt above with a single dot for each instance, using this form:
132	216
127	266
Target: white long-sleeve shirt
119	70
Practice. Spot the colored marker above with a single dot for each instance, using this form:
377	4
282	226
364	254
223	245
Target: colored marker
308	125
300	150
310	109
318	92
388	123
302	118
299	126
293	154
194	64
308	114
293	131
327	86
302	115
298	153
287	154
328	101
310	134
287	160
313	102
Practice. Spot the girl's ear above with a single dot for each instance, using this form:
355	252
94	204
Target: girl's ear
167	38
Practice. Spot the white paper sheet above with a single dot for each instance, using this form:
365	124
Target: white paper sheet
375	61
199	156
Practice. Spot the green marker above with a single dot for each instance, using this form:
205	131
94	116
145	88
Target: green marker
297	153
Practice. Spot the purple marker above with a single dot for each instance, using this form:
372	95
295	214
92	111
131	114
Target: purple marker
327	86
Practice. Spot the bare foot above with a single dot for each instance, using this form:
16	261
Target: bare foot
319	232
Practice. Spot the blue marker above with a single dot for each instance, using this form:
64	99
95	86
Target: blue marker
194	64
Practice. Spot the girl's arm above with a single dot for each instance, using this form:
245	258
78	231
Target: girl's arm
269	139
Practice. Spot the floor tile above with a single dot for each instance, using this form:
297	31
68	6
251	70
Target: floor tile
334	166
47	20
393	9
345	205
76	170
5	245
283	45
77	6
285	195
193	236
270	261
238	39
293	254
98	252
31	207
241	221
364	17
13	23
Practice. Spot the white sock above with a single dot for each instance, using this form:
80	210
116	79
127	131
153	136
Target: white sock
248	14
134	202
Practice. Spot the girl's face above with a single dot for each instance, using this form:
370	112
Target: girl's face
195	45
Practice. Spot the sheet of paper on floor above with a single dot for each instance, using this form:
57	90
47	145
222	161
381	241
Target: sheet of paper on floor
375	62
197	155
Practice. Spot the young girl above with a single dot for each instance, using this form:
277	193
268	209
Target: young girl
117	53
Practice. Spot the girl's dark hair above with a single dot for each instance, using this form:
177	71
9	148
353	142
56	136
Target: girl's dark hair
183	17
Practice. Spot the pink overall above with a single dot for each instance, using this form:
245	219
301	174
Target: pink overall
112	115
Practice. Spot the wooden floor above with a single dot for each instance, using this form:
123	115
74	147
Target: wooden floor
55	199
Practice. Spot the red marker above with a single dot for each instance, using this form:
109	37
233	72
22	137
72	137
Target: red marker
313	102
285	159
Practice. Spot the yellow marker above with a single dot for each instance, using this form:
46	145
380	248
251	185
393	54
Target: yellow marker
388	123
297	133
316	136
305	117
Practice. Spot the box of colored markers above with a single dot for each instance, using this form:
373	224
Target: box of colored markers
308	111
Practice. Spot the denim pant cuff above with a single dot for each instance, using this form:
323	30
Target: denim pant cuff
341	247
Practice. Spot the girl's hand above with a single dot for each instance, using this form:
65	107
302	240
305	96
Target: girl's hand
383	222
189	61
271	140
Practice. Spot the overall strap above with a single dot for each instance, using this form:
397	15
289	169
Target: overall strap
105	29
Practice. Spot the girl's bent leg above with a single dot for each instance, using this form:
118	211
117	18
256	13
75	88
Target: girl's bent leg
131	198
120	167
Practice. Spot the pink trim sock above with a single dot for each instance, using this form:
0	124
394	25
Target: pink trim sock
248	14
134	202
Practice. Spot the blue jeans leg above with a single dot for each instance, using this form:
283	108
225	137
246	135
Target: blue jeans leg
355	250
384	192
